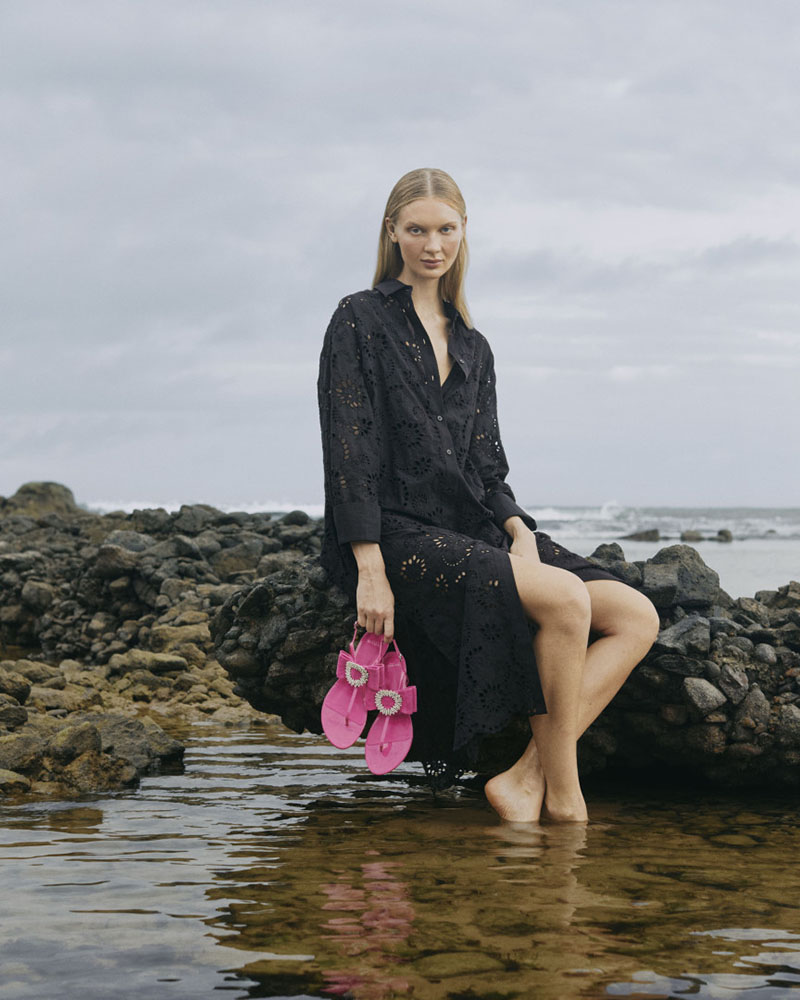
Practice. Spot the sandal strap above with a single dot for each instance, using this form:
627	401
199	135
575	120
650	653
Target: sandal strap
404	700
352	646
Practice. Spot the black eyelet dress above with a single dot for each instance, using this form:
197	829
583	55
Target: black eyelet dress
420	468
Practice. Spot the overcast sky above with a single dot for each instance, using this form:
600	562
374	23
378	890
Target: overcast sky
189	187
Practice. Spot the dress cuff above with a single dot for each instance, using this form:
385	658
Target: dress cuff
503	507
357	522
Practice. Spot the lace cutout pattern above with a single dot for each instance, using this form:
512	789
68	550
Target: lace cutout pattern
420	468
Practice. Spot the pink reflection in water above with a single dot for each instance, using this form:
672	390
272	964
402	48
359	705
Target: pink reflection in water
379	917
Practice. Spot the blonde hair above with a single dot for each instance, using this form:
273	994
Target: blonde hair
426	182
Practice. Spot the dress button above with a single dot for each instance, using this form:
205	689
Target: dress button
449	452
438	416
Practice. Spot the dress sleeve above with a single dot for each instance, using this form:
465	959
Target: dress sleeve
351	446
488	455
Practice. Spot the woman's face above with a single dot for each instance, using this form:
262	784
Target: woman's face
429	233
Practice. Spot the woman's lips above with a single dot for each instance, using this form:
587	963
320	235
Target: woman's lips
432	263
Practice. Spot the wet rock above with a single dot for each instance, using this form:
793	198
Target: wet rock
690	535
192	642
72	741
12	714
765	653
733	682
14	685
37	595
43	674
22	752
751	715
787	725
94	771
705	739
142	744
691	636
702	696
649	535
724	535
143	659
70	698
11	782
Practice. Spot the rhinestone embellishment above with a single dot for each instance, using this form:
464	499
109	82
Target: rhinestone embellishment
394	708
362	674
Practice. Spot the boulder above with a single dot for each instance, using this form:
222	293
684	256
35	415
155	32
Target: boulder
702	696
696	585
12	782
144	659
37	498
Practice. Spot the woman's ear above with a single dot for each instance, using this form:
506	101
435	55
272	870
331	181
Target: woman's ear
390	229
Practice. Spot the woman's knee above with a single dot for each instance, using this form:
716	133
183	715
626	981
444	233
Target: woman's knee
568	607
648	622
631	614
552	597
573	612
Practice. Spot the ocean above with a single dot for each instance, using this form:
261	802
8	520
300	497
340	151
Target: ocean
764	552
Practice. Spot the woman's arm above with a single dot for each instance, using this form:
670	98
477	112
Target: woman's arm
351	440
351	449
374	597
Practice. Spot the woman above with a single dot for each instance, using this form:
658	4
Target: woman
426	537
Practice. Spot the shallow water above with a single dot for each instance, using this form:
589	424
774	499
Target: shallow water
276	866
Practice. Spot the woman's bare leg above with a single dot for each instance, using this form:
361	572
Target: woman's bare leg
559	602
628	625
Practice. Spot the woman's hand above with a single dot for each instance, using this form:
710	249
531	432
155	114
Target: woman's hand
374	597
375	604
523	539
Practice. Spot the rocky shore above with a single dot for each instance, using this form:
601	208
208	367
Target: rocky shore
104	637
116	627
715	699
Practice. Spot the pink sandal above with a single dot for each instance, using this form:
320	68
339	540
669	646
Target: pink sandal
344	710
390	735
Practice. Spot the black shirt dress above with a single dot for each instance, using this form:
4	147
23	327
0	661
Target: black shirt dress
419	467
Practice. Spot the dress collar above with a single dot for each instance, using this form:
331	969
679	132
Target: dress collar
462	347
391	285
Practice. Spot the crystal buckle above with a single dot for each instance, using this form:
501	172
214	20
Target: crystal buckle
396	698
362	677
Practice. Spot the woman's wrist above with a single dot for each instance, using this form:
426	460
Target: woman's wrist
515	526
368	556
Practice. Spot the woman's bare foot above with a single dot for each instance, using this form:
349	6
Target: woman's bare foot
517	794
568	810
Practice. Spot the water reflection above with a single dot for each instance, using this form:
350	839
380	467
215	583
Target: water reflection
276	867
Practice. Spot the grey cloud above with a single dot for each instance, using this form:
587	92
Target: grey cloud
189	188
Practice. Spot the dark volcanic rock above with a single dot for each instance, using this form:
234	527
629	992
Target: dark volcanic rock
90	753
37	499
703	701
118	614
